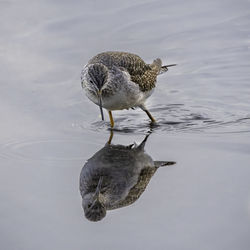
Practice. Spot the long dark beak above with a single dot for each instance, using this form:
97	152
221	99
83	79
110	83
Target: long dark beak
100	105
170	65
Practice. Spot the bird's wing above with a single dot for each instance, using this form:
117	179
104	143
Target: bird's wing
141	73
136	191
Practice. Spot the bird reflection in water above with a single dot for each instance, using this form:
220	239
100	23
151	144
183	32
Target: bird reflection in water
115	177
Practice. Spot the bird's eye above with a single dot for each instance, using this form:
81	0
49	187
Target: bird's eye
89	205
91	81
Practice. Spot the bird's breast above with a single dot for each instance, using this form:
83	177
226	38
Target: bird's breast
123	96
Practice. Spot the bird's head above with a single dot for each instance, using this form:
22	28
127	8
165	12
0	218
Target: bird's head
95	210
97	77
93	204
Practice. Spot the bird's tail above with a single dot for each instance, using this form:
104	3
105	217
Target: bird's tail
165	68
163	163
157	64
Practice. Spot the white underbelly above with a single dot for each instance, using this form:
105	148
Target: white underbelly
120	101
124	98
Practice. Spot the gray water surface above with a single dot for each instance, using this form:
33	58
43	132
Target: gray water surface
49	128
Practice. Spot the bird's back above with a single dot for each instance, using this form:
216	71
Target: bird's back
135	192
131	62
141	73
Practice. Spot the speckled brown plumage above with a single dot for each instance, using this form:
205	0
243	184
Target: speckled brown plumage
136	191
141	73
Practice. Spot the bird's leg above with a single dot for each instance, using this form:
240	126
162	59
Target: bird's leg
111	136
150	116
111	119
147	112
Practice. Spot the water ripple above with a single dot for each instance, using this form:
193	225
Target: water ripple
43	149
174	118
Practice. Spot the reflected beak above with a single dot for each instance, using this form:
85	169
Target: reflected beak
98	189
100	105
96	197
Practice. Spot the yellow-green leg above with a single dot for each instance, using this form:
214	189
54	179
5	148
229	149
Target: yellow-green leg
111	119
149	115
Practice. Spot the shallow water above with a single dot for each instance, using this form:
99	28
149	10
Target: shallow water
49	128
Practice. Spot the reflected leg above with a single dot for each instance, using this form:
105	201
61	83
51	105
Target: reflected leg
111	136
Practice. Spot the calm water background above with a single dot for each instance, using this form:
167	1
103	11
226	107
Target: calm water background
49	128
